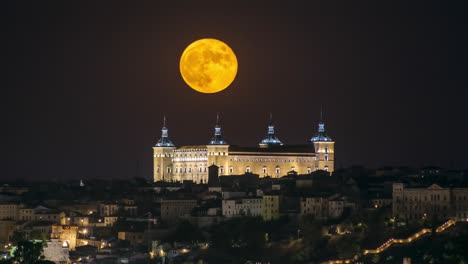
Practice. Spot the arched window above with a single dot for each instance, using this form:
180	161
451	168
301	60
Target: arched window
277	170
309	170
326	150
247	169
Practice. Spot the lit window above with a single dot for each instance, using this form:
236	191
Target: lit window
326	168
247	169
277	170
309	170
264	170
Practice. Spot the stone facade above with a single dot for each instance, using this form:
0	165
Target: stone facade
431	202
273	159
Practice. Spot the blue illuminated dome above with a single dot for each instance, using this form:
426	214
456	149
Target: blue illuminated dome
218	137
270	139
321	136
164	141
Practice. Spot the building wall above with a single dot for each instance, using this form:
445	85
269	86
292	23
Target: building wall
459	197
242	207
133	237
7	227
108	209
172	210
325	159
316	206
9	211
191	162
56	251
270	207
434	201
65	233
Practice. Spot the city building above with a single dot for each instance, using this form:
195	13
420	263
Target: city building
430	202
173	209
322	206
270	158
9	211
271	206
56	251
242	207
66	234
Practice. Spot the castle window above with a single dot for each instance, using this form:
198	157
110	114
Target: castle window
309	170
221	170
326	168
277	170
169	169
326	150
190	170
264	170
326	157
293	168
231	169
247	169
200	169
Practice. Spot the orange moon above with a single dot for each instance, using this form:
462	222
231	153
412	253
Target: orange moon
208	65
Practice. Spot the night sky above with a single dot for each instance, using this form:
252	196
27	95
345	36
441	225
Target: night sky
85	86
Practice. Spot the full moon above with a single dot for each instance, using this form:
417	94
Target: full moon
208	65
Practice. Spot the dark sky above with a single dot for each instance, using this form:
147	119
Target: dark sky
85	86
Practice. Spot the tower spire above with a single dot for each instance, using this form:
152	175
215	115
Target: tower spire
270	139
218	137
321	113
321	135
164	141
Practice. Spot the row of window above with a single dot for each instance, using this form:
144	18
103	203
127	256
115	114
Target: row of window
231	170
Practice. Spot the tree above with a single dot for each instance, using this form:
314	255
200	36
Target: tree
28	252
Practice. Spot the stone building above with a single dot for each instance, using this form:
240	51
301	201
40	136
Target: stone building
172	210
66	234
269	158
242	207
430	202
322	206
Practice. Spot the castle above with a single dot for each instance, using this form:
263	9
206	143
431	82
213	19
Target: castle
271	158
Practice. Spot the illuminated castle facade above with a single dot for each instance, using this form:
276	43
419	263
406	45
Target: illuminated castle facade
270	158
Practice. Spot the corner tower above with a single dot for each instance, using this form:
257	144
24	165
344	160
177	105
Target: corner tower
162	156
218	150
270	139
324	148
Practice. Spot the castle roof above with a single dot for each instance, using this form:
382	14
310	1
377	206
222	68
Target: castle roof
218	137
271	139
321	136
164	141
